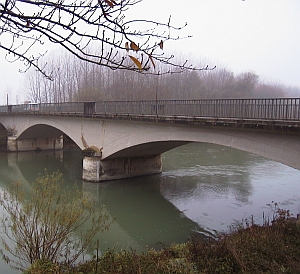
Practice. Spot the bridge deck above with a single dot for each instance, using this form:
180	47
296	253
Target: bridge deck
267	124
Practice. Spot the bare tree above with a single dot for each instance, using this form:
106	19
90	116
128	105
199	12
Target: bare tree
82	81
130	44
246	84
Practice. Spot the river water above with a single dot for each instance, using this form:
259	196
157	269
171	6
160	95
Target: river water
203	189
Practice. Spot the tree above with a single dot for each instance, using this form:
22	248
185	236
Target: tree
45	224
75	25
246	84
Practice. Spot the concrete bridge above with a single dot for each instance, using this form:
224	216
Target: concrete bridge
126	139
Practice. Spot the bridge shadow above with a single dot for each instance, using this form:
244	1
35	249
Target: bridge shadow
143	217
146	208
141	212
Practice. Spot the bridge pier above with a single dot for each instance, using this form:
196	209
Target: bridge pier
14	144
96	170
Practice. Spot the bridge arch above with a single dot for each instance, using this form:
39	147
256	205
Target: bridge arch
24	126
121	142
43	135
40	131
280	146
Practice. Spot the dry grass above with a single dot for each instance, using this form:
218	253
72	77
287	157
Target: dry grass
249	248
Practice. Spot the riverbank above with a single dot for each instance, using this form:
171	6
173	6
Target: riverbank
269	248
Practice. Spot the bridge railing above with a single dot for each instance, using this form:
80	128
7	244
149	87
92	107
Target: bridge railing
275	108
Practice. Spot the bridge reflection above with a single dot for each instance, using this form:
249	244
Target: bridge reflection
151	209
143	217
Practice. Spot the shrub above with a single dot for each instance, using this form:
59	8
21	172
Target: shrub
44	224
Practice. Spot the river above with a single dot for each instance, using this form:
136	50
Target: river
203	189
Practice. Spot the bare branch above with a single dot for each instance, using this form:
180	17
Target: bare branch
25	25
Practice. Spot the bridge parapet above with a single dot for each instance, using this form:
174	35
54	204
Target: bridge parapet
258	109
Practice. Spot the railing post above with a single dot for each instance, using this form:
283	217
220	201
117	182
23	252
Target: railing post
298	103
287	109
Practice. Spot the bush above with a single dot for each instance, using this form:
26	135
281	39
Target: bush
44	225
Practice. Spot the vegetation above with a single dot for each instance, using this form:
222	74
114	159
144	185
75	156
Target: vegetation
270	248
44	223
77	81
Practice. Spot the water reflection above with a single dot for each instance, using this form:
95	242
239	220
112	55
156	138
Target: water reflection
216	186
142	213
143	217
218	169
203	188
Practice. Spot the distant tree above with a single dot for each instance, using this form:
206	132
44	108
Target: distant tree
220	83
81	81
121	42
264	90
246	84
186	85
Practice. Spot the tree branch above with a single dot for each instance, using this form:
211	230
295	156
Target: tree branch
78	26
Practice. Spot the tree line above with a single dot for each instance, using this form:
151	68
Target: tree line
75	80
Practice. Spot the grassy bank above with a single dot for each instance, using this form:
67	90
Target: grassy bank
249	248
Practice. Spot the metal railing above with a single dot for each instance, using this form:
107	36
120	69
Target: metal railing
263	109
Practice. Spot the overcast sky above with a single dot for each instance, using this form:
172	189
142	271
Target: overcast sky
262	36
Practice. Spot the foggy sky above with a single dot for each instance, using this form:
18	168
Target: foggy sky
260	36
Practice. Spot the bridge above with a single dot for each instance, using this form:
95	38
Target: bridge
121	139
